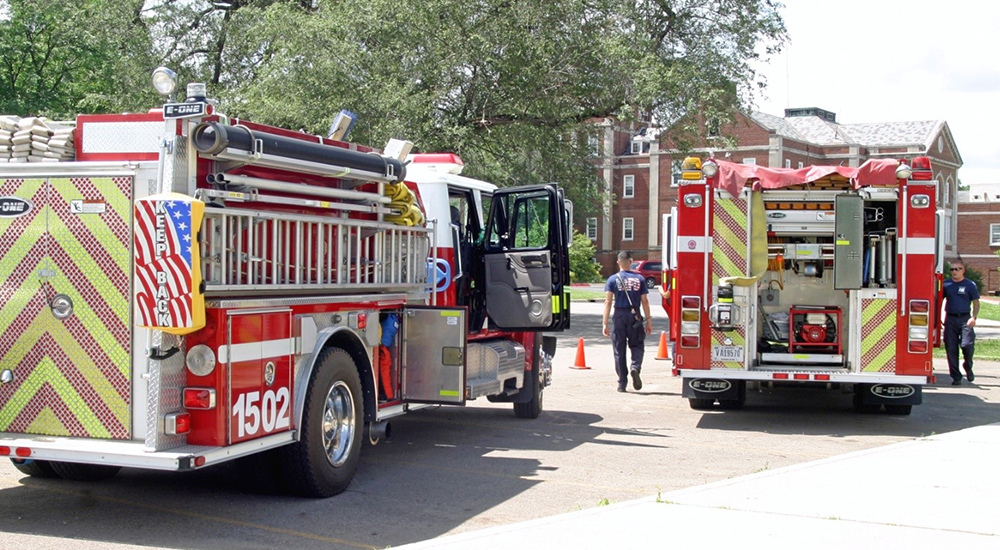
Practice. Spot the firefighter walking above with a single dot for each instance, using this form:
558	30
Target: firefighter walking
624	292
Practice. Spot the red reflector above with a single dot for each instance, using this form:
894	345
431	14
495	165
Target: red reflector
801	377
199	398
918	347
920	306
781	376
690	341
4	451
23	452
690	302
821	377
362	320
199	461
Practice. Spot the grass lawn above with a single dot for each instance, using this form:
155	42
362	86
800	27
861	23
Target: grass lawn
585	295
988	350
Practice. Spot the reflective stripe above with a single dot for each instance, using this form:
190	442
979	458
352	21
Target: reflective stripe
253	351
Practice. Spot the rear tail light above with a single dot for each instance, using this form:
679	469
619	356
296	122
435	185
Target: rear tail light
4	451
918	327
821	377
780	376
801	376
177	423
690	321
23	452
199	398
690	341
918	347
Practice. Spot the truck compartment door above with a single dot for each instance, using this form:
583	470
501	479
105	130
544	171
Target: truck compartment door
433	355
848	250
526	259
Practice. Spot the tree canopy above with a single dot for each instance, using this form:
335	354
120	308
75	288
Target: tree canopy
510	85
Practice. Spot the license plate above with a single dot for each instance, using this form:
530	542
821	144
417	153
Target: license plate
727	353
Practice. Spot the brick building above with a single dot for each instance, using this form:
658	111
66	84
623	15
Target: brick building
640	168
979	231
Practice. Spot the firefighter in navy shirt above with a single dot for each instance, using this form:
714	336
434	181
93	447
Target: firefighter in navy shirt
961	306
625	292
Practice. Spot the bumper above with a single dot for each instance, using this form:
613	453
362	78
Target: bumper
132	454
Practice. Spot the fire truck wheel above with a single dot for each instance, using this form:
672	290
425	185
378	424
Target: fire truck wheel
84	472
700	404
322	462
899	409
34	468
532	408
864	408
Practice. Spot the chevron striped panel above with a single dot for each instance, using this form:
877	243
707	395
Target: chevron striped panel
72	377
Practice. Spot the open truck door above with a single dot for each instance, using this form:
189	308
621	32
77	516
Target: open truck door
526	259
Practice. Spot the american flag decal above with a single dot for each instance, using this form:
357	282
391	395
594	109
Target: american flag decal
167	266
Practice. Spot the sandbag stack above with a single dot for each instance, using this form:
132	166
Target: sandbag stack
32	139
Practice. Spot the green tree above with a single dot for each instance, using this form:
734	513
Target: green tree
582	266
60	57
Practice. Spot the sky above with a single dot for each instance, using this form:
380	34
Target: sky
896	60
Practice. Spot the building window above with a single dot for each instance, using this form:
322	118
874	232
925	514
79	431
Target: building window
788	163
628	186
592	146
995	234
946	193
636	147
592	229
800	164
750	160
628	231
712	127
675	172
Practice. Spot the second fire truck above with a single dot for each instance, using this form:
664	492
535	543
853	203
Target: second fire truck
823	276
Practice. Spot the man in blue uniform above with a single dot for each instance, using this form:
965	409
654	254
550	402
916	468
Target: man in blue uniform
625	291
961	306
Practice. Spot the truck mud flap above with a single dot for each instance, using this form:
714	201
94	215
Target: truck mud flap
710	388
889	394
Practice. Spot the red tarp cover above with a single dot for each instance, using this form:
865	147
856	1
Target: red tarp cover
732	176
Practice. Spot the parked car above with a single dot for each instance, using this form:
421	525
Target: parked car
651	270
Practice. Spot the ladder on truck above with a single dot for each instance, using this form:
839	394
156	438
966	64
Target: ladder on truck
250	250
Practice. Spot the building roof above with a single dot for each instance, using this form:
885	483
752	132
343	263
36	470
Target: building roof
815	130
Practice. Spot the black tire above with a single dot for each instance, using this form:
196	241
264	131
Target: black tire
533	407
84	472
650	282
863	408
701	403
34	468
323	461
902	410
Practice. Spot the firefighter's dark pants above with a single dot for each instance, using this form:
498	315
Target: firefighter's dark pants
953	325
623	334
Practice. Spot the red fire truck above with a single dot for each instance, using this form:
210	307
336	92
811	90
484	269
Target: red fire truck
193	289
825	275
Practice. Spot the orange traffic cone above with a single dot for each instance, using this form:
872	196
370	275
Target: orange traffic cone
661	352
581	361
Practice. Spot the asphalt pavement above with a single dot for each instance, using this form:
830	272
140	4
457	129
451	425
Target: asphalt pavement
934	492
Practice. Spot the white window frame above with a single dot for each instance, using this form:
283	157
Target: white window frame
995	234
628	229
750	161
592	229
788	163
628	186
801	165
635	147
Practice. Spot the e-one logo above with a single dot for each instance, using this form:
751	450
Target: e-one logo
709	386
892	391
12	207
